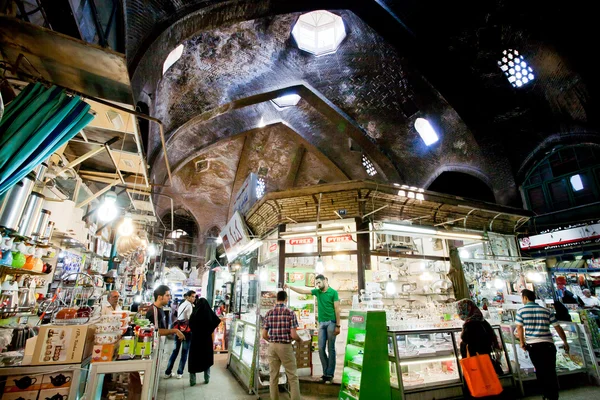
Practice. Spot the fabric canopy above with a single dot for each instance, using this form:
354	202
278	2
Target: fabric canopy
34	125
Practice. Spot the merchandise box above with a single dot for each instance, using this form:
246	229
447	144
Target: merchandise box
62	344
54	394
103	352
57	380
26	395
22	383
126	348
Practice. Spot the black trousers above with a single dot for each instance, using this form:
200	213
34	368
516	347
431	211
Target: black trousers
543	357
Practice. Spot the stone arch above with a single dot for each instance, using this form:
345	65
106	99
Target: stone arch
463	182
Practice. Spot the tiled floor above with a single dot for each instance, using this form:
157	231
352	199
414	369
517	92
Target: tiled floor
223	386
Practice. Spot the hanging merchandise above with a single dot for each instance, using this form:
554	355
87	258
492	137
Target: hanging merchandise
35	124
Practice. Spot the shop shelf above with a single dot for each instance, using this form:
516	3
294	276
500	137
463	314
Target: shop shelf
344	395
446	356
354	366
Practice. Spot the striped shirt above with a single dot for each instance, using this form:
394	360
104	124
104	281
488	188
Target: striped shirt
536	321
279	321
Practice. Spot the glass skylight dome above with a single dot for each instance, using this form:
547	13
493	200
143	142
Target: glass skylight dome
172	58
319	32
515	68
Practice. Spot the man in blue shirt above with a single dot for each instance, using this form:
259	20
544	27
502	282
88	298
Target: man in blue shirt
533	328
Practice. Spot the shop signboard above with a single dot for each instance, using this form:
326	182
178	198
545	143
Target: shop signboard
246	196
563	238
235	236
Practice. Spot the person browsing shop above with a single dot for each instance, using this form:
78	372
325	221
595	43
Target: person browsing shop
113	303
589	300
162	295
279	328
328	303
533	329
183	317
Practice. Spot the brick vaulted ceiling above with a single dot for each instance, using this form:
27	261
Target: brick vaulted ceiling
401	60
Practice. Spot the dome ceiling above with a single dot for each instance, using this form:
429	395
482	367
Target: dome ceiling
361	100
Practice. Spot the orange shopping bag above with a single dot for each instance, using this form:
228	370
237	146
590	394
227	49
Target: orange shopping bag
480	375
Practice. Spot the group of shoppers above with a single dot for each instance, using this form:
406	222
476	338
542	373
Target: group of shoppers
198	321
533	332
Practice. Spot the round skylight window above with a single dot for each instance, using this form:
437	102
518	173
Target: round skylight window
319	32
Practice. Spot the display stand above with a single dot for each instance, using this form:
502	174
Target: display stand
365	377
575	363
148	369
243	353
76	374
425	364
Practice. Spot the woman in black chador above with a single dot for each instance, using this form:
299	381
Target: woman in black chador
203	323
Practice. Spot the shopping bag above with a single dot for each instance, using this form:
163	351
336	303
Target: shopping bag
480	375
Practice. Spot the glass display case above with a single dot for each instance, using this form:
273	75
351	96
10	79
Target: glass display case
242	352
571	363
425	364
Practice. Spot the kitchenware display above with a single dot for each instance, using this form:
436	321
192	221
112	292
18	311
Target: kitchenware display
58	396
108	327
80	294
106	338
18	250
9	358
24	382
59	379
110	319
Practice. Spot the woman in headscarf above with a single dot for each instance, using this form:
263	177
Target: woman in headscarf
203	323
477	335
562	313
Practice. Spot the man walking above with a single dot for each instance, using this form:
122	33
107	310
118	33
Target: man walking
183	317
279	328
162	295
328	303
533	328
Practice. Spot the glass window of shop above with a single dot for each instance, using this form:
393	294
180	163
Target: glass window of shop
245	289
408	278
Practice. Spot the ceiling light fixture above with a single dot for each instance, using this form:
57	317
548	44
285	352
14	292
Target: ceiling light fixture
390	286
426	131
319	32
261	123
429	231
319	232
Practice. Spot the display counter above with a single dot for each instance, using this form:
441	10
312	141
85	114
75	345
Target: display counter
575	362
243	352
425	364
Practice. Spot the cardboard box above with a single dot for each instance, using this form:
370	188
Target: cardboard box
57	380
22	383
27	395
54	394
103	352
64	344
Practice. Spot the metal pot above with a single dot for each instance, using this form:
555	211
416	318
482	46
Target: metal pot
40	229
13	202
31	214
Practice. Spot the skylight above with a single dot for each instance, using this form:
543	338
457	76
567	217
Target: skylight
177	234
576	183
426	131
172	58
515	68
369	167
261	187
289	100
319	32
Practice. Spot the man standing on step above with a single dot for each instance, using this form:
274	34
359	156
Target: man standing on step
533	328
279	328
328	303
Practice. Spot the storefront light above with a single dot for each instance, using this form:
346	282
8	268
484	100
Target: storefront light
219	240
535	277
390	286
319	267
264	275
464	254
126	227
498	283
137	299
108	210
151	249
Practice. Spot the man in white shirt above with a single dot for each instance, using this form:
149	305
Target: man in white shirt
589	300
112	303
184	313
